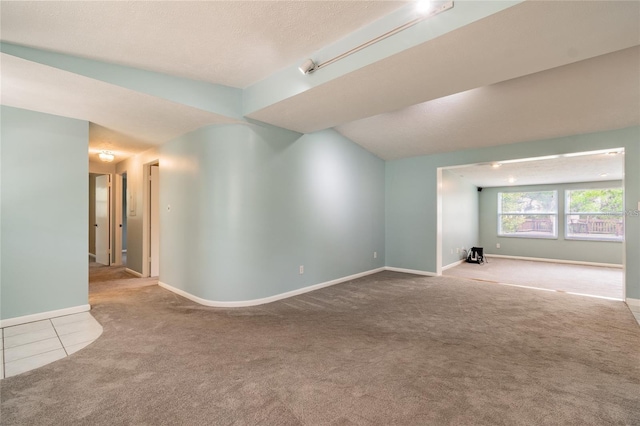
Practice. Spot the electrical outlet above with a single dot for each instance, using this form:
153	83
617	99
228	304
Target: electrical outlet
375	254
458	250
497	245
301	269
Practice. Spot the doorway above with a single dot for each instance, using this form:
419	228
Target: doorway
100	218
121	197
578	197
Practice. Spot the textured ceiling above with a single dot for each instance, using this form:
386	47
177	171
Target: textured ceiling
142	120
584	168
597	94
524	39
536	70
234	43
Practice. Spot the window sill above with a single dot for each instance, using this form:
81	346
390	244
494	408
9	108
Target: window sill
598	240
529	237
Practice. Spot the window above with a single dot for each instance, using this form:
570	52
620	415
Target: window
595	214
528	214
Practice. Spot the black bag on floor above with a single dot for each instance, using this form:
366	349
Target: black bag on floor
476	255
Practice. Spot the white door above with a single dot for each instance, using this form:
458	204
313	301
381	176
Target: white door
155	223
102	219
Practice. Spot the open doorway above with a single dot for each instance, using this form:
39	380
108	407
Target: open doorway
100	218
121	198
554	222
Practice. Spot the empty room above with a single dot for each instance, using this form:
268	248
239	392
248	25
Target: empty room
277	199
554	223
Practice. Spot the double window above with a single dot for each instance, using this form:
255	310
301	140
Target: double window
528	214
595	214
590	214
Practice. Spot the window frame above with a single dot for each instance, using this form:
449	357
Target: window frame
553	215
567	213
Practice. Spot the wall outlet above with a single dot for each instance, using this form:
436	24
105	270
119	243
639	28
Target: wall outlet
375	254
458	250
301	269
497	245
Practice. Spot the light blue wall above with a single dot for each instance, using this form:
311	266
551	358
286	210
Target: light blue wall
44	212
411	189
562	249
223	100
250	204
460	227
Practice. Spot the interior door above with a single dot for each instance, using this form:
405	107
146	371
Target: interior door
102	219
155	223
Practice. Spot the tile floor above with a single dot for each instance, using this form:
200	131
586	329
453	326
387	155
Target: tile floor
32	345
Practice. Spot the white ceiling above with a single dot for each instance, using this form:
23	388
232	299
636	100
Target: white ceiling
536	70
124	121
597	94
524	39
591	167
234	43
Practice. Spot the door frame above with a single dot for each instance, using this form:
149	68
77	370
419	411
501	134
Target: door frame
109	217
146	217
117	259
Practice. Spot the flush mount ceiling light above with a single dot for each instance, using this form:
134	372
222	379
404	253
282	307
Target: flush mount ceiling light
425	8
106	156
495	165
511	180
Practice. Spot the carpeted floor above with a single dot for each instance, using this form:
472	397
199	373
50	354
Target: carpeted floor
581	279
112	279
385	349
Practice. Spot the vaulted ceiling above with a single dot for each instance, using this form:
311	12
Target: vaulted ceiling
481	74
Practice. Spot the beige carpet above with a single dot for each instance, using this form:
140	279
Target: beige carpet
104	280
582	279
385	349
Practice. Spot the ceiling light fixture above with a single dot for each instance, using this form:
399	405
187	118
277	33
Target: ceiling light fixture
496	165
426	10
511	179
604	174
106	156
308	66
423	6
600	151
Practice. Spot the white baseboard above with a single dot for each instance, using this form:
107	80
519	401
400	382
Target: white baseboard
9	322
454	264
92	255
632	302
132	272
541	259
262	301
411	271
